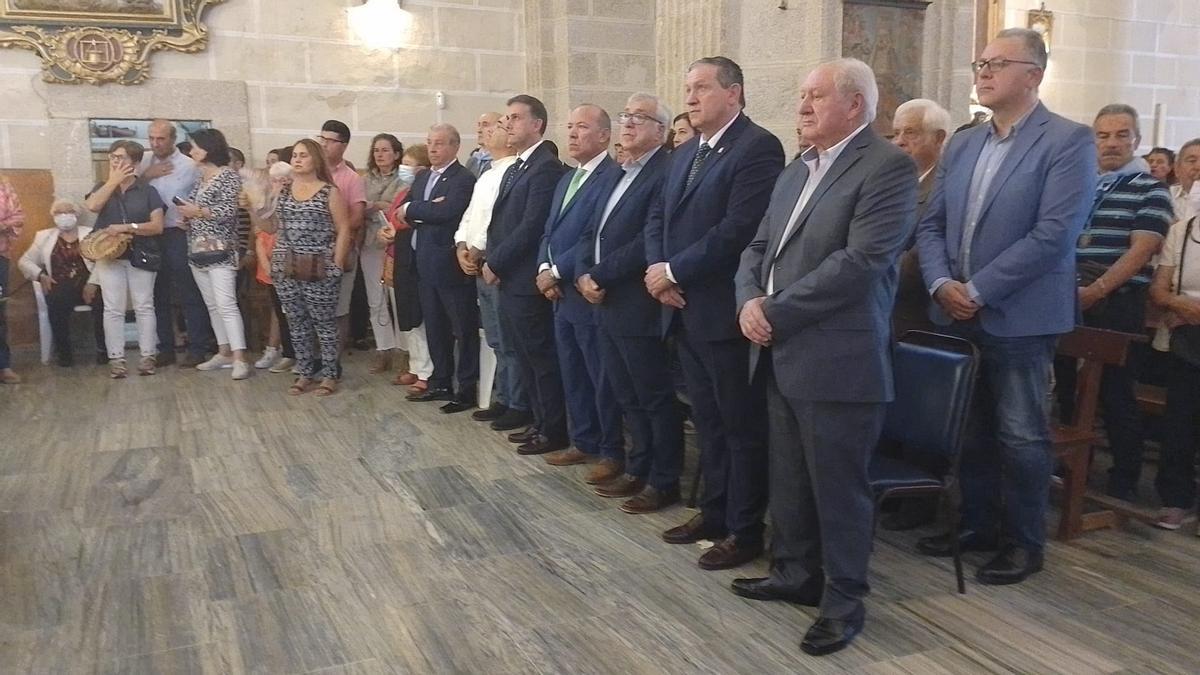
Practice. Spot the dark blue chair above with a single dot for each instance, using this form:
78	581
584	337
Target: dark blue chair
935	379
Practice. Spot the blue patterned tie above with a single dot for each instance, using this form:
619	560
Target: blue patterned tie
510	176
701	155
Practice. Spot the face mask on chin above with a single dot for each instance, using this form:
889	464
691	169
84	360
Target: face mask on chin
406	174
65	222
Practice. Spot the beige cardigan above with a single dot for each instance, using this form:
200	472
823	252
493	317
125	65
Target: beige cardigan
37	259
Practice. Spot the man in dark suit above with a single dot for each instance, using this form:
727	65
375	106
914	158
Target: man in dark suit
612	260
434	206
518	221
592	412
815	290
713	198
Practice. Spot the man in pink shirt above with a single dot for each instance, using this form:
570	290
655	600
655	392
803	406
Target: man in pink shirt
334	138
12	219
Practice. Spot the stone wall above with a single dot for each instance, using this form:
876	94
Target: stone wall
1140	52
299	65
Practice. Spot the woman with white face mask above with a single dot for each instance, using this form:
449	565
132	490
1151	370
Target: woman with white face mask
66	277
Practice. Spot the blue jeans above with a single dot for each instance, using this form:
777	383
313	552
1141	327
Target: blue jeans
5	355
175	284
1007	460
507	388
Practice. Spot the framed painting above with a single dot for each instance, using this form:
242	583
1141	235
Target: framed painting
98	41
887	35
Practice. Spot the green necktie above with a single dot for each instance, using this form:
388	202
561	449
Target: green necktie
576	181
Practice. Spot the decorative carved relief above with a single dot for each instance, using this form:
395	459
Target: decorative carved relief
888	35
98	41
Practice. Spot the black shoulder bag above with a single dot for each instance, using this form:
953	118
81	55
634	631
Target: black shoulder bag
1185	340
143	251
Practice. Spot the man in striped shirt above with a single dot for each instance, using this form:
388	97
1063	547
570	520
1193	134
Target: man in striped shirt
1130	217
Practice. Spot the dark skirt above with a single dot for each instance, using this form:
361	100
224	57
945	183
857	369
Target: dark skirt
404	278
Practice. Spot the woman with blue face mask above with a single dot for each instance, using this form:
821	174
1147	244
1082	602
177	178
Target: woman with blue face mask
66	278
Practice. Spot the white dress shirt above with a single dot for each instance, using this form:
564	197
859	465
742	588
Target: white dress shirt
588	169
632	168
712	144
472	229
818	163
178	183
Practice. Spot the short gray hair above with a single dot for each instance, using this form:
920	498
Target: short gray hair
455	138
1121	109
851	77
60	203
662	114
1034	44
605	120
729	73
933	116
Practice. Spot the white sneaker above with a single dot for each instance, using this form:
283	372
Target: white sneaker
283	365
269	357
241	370
216	362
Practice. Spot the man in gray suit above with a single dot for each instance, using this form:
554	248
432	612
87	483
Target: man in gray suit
815	291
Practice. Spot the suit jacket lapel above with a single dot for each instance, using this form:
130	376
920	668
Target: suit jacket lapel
599	174
1025	139
722	148
439	188
521	172
849	157
646	174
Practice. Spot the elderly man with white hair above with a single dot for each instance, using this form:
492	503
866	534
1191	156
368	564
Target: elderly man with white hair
814	291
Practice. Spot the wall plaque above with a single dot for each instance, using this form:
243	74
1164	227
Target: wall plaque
98	41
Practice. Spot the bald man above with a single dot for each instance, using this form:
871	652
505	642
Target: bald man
481	159
173	174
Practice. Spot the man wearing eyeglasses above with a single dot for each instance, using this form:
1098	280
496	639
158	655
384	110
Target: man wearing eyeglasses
997	248
334	138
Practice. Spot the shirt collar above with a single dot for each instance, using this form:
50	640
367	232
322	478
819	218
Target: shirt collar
815	159
594	162
712	142
524	156
503	161
1016	125
442	169
641	161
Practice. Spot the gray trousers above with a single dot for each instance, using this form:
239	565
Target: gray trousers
822	510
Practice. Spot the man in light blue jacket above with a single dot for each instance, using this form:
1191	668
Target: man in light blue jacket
997	251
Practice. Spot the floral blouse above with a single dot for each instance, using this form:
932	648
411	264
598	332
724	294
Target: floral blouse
219	233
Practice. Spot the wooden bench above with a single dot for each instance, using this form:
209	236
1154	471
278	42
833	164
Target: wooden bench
1151	400
1073	440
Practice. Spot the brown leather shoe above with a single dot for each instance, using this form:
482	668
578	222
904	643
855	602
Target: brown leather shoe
693	531
604	471
621	486
524	436
650	500
569	457
729	553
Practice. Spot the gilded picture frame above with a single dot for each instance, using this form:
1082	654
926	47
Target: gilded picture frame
100	41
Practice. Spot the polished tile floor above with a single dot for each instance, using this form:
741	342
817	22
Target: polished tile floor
185	523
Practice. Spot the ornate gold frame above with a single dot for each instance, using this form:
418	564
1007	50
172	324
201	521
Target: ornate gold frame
77	54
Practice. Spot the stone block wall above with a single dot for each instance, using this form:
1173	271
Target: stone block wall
1140	52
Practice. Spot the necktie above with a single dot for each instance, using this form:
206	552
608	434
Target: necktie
701	155
572	188
434	177
510	176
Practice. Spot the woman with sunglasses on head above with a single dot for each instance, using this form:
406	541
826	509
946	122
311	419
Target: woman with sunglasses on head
127	206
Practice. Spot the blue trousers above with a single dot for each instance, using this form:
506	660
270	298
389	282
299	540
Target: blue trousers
593	416
507	386
173	285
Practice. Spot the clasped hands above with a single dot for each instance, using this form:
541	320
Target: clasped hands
547	285
956	301
661	288
753	322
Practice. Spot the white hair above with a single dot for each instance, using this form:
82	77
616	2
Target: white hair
851	77
60	203
280	170
662	114
455	138
933	116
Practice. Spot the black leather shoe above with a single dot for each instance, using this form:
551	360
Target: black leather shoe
827	636
513	419
768	588
540	445
1011	566
942	546
525	436
440	394
457	406
493	412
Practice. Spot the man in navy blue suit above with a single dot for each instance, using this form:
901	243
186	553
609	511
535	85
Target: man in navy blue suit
716	191
518	221
612	260
433	208
593	416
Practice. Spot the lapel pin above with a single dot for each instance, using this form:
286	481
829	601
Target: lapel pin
720	149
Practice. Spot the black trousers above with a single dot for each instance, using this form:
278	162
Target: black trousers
528	320
285	334
451	316
1176	480
60	305
730	416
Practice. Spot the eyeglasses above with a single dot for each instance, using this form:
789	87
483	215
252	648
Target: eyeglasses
325	139
996	65
636	118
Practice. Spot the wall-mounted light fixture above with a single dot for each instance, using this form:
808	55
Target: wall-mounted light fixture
1041	21
380	24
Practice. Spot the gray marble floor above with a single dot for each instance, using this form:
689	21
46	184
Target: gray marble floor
186	523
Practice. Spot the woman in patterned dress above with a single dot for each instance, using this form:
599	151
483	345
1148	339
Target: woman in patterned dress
313	220
210	214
